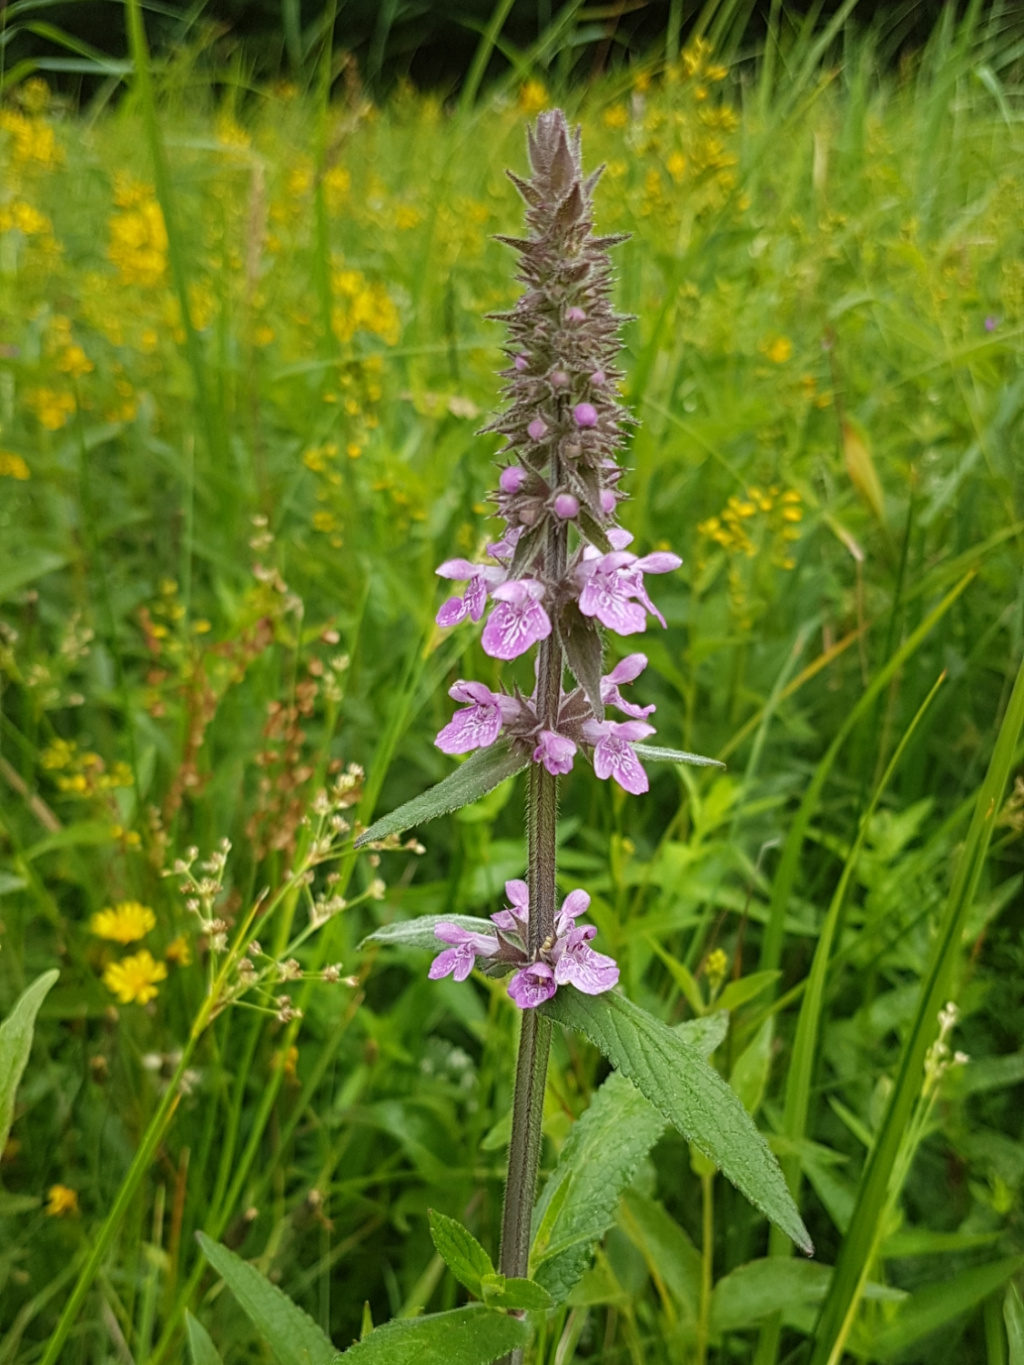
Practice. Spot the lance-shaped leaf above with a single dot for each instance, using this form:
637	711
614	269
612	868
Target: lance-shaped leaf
689	1093
600	1157
291	1334
16	1044
460	1251
473	1335
654	752
481	773
419	932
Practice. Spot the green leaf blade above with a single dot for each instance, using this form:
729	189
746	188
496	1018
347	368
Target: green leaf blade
460	1251
480	774
16	1043
465	1336
419	932
677	1080
656	753
200	1343
291	1333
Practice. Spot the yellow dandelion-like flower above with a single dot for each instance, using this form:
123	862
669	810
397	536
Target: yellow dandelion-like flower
533	97
778	350
13	466
61	1201
123	923
133	979
179	951
615	117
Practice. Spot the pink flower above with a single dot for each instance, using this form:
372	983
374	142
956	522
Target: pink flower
532	985
511	478
585	415
461	957
578	964
625	671
518	621
480	723
515	916
613	752
555	752
537	429
482	578
566	506
612	587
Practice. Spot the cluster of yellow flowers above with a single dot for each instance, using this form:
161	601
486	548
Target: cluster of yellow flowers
754	530
84	772
362	305
13	466
736	526
138	234
134	979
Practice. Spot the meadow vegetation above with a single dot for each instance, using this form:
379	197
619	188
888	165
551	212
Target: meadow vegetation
244	358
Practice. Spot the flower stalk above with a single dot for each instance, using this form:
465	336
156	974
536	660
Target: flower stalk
559	575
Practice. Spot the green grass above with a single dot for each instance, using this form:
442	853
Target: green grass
231	458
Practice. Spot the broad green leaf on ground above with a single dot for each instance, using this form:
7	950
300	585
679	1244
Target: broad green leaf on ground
419	932
200	1343
689	1093
16	1044
480	773
1013	1316
600	1157
291	1333
466	1336
460	1251
931	1308
655	753
753	1292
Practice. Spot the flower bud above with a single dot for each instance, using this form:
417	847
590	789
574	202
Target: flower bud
511	479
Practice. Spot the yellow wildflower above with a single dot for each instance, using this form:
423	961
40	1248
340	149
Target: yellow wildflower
13	466
123	923
61	1201
715	967
676	166
52	408
138	242
533	97
179	951
615	117
778	350
133	979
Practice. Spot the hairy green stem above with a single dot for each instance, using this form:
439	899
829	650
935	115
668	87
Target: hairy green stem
535	1031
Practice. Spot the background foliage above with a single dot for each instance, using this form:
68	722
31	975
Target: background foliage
242	361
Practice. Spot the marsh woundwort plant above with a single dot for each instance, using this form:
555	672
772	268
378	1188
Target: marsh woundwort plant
559	572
